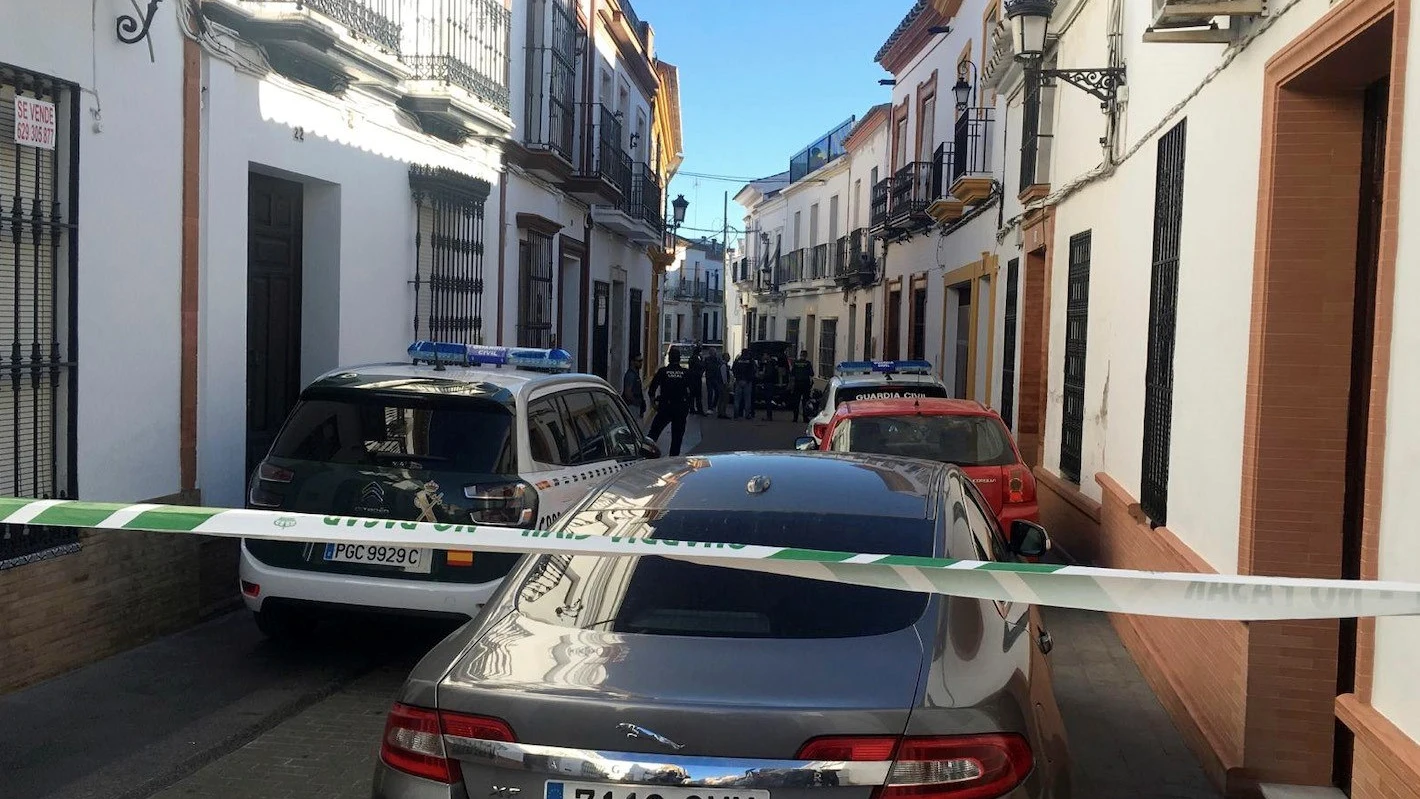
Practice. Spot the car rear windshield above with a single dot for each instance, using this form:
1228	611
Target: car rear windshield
963	440
859	393
652	595
358	428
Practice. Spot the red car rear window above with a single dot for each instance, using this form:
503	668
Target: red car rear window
963	440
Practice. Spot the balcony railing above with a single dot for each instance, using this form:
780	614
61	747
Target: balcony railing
792	267
971	144
1035	145
818	262
607	160
695	291
840	256
913	188
856	266
375	21
463	43
742	271
645	202
550	120
878	214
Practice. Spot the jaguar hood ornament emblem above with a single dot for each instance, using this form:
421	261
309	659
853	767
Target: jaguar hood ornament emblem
633	731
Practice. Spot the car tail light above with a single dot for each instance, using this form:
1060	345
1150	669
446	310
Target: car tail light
414	740
820	430
1020	485
953	766
273	473
511	504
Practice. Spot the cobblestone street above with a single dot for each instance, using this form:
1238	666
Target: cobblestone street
1122	741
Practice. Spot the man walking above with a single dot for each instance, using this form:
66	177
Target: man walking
714	383
697	375
744	373
802	375
770	376
670	391
631	389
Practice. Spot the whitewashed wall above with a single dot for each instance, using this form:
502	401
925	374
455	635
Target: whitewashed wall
1214	301
354	160
130	233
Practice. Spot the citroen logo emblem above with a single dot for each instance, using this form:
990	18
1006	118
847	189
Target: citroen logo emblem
633	731
372	494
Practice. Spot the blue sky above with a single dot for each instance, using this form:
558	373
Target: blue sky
762	79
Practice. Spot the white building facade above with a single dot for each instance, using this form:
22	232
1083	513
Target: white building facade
585	184
693	294
1215	375
809	264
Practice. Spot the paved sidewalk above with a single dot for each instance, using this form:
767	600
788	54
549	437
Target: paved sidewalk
327	751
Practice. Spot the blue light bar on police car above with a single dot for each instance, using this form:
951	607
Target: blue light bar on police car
884	367
441	352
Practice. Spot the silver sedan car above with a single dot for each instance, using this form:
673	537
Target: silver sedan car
589	677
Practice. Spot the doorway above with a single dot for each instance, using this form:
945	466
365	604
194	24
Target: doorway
633	339
1322	304
618	327
961	381
893	333
601	299
273	309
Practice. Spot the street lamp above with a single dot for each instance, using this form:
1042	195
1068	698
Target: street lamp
1030	20
963	90
678	206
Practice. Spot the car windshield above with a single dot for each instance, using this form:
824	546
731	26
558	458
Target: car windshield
357	428
652	595
909	390
962	440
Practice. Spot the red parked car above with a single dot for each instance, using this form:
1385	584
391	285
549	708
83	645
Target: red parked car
963	432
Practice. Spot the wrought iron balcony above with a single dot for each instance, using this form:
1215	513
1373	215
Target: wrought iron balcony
858	267
914	187
549	142
646	193
462	43
604	172
818	262
878	214
971	179
792	267
328	44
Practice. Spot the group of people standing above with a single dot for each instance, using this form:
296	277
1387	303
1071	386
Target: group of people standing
708	381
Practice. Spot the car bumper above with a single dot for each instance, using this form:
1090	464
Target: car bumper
418	597
393	784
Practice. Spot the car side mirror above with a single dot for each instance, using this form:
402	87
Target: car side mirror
1029	539
805	443
649	448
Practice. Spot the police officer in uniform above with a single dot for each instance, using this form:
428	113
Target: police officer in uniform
670	390
802	375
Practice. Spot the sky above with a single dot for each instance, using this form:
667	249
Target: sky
759	81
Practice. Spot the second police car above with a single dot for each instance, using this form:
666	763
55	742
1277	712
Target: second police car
458	434
864	380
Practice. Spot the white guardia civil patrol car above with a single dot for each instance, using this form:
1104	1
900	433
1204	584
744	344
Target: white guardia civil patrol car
457	434
864	380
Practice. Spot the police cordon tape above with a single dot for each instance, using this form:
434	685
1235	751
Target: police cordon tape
1177	595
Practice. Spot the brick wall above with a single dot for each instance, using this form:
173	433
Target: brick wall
1196	667
1387	762
119	590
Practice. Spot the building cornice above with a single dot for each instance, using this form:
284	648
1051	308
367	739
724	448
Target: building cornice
911	36
876	117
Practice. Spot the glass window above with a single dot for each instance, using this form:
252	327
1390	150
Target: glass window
984	529
621	433
963	440
651	595
590	442
549	439
923	390
466	435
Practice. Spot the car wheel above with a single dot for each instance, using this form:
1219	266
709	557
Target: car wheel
283	624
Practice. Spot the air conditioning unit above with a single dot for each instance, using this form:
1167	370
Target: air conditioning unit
1185	21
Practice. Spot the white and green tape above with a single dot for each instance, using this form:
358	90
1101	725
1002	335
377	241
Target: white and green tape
1178	595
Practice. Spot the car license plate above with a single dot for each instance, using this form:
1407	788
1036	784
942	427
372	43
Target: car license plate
408	559
610	790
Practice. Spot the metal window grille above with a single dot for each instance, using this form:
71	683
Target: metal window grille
971	142
38	267
638	310
550	110
1077	311
376	21
1163	320
448	254
791	334
827	347
917	346
535	293
1008	343
1030	131
464	43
